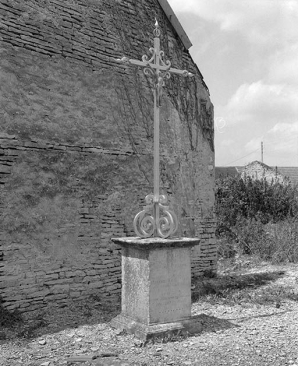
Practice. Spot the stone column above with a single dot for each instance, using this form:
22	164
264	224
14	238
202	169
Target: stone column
156	286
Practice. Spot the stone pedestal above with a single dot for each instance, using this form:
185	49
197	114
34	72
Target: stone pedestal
156	286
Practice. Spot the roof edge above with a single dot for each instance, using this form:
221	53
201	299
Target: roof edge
175	23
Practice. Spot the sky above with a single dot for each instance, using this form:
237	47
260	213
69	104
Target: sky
247	51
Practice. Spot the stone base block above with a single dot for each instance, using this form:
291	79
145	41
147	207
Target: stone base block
156	281
145	332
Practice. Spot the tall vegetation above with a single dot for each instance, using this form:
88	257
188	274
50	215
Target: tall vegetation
257	217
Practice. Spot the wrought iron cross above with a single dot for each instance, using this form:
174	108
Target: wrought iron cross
156	219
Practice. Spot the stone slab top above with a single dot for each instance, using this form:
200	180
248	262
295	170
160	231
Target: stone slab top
156	243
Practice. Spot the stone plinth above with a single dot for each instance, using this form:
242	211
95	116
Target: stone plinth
156	285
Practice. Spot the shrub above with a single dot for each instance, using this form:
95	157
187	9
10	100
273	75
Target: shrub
257	217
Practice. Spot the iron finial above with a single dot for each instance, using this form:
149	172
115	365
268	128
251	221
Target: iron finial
156	31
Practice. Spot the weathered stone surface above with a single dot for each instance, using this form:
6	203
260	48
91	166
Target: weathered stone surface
155	243
5	169
156	285
190	326
98	284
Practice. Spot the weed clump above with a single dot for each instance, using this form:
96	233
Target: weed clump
257	217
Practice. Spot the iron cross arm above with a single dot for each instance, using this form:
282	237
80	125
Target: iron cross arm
165	68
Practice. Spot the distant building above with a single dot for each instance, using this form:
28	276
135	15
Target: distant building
259	170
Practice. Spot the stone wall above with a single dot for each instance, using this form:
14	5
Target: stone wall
76	146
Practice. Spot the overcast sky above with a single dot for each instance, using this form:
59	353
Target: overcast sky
247	51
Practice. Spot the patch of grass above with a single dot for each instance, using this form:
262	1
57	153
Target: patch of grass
275	294
209	273
282	240
242	288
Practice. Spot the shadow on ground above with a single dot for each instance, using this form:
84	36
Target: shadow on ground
214	290
245	318
197	325
226	285
70	316
204	323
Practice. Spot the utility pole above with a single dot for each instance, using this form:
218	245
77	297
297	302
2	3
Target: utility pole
262	152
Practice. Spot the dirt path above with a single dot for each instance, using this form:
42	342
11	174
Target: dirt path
244	334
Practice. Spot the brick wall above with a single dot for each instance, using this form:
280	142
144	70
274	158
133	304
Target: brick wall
76	146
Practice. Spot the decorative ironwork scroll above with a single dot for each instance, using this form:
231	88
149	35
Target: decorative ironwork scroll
145	224
156	219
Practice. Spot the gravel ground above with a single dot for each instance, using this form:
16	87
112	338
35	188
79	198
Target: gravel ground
243	334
